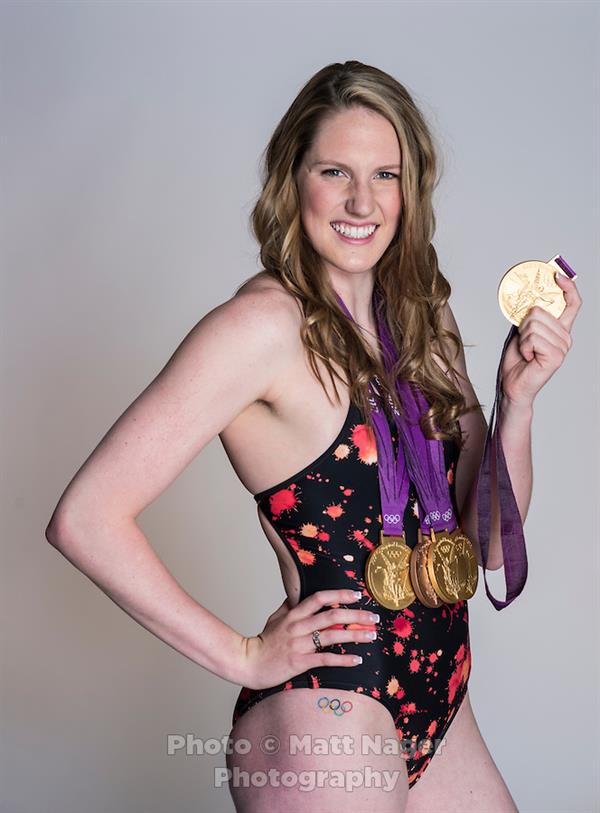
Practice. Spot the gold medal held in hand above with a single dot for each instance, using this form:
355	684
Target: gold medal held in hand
387	572
532	283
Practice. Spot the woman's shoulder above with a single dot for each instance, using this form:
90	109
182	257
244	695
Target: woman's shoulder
263	293
263	281
260	313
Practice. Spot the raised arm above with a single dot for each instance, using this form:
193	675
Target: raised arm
227	361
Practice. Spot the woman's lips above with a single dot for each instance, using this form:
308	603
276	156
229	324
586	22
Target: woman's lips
357	241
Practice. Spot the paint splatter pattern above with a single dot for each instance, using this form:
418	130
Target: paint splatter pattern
329	516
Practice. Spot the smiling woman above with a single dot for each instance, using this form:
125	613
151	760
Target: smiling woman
346	211
367	470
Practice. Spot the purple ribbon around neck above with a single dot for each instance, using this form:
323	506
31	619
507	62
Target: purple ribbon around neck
423	460
394	482
418	458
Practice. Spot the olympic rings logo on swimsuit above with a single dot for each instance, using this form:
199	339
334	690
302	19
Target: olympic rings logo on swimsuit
338	709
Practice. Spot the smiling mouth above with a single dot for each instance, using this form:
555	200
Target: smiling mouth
358	233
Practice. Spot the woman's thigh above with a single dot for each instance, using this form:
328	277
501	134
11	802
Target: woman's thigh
462	777
302	758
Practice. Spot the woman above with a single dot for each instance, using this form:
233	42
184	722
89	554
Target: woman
345	210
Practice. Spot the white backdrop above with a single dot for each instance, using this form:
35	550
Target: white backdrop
131	136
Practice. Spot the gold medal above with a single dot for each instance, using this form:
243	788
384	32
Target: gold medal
528	284
418	573
387	572
442	566
452	565
466	565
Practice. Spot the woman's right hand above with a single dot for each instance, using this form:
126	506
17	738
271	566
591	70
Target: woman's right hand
285	647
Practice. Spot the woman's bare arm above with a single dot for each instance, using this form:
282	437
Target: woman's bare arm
230	359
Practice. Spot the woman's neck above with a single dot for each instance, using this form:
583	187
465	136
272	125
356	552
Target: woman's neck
356	291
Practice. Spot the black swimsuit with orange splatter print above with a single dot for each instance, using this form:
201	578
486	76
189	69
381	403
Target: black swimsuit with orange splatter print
329	517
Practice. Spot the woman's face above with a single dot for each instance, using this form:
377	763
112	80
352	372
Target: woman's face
351	177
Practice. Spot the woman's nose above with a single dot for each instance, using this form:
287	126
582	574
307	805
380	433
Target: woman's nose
360	199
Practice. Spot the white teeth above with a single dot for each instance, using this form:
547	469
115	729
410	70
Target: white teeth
354	231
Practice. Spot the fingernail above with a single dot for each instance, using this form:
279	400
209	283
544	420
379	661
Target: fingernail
357	659
357	594
374	617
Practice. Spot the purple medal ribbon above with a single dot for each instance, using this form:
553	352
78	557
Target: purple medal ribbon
431	481
394	482
514	553
425	458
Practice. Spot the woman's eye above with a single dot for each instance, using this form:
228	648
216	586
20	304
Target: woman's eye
390	175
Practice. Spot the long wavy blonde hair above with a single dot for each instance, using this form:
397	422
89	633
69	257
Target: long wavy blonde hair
407	274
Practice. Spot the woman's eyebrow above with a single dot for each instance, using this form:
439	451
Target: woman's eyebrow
345	166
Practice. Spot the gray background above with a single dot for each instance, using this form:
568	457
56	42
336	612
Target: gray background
131	135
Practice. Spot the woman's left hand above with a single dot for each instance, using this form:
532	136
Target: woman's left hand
539	347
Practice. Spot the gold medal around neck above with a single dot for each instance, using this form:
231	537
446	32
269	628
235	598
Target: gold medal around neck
528	284
418	573
451	565
387	572
468	572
